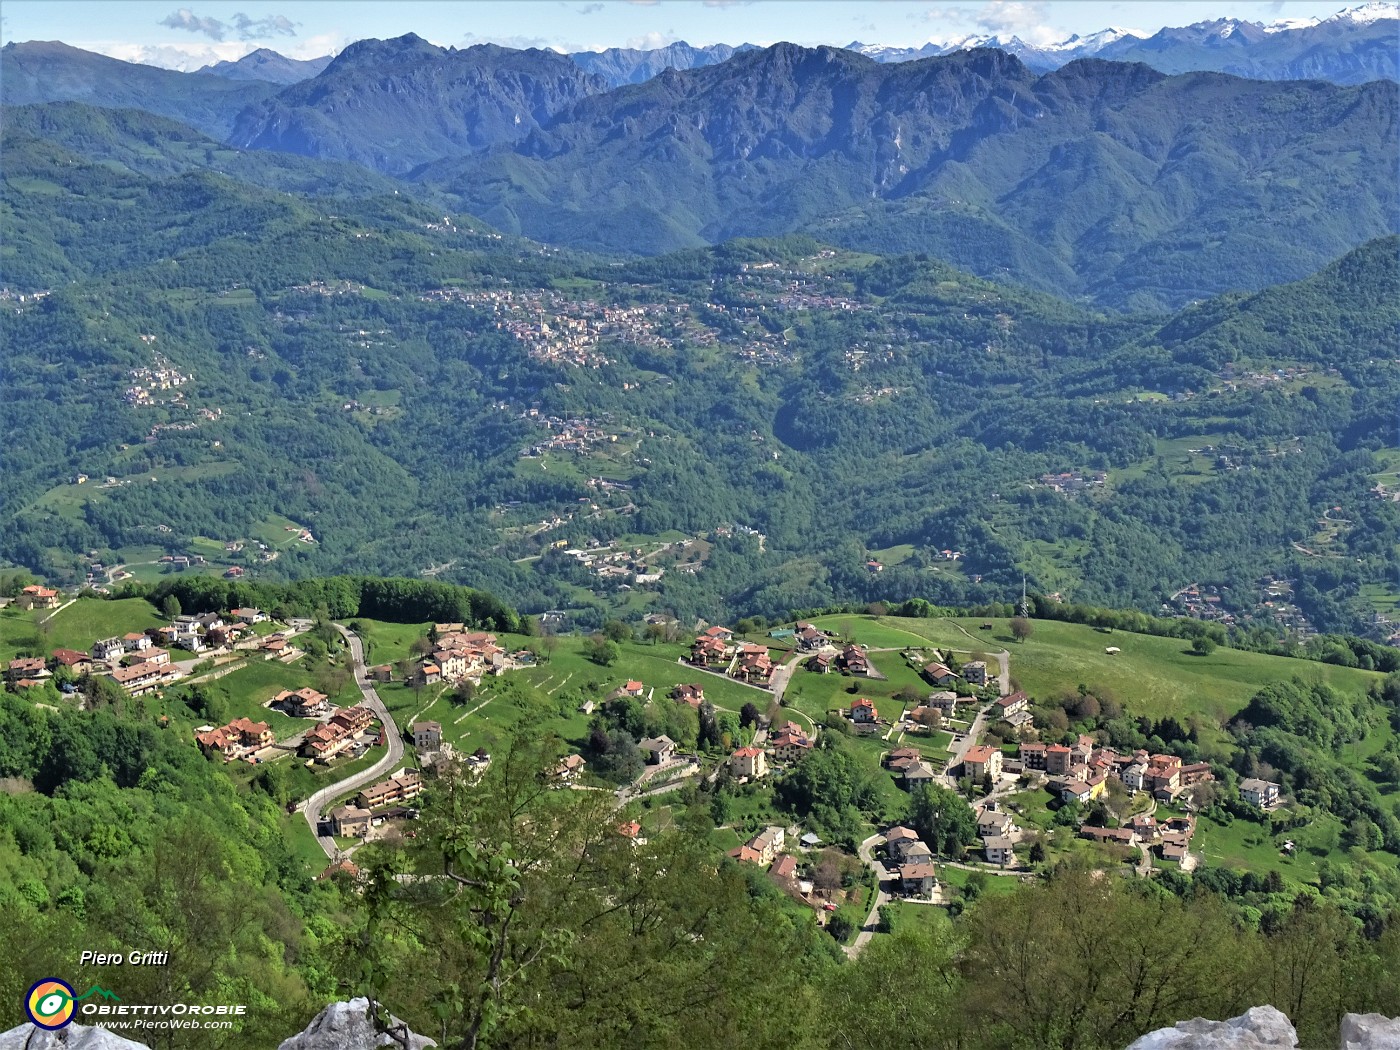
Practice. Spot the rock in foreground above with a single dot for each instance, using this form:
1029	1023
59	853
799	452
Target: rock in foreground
347	1026
1370	1032
74	1037
1258	1028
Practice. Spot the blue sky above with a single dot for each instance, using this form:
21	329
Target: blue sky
190	33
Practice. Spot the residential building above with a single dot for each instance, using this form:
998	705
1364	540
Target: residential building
237	737
917	880
1135	776
1057	759
993	822
108	650
785	867
790	743
77	662
407	785
1119	836
810	638
427	736
863	710
919	773
304	703
632	688
691	694
1261	793
981	761
350	821
898	839
1012	704
249	616
658	749
1000	851
854	660
141	678
1196	773
748	762
1033	756
570	767
37	597
27	667
136	642
939	674
945	701
768	842
974	672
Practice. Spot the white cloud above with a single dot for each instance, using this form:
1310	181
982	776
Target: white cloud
184	57
1004	18
651	41
241	26
589	9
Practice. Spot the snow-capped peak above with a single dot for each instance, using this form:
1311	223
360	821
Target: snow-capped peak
1095	41
1283	25
1367	13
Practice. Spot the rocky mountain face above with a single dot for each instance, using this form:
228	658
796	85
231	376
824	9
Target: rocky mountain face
625	65
49	71
268	65
1098	178
395	104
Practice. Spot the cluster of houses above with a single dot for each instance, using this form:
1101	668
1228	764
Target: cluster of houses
1080	772
851	659
38	597
460	654
240	739
1170	839
336	735
620	567
715	648
908	855
908	764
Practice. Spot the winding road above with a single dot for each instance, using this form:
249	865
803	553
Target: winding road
872	921
311	809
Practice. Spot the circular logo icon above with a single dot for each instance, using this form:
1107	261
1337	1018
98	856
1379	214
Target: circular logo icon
50	1003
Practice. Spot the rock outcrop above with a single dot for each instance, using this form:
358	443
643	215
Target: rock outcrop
74	1037
347	1026
1370	1032
1258	1028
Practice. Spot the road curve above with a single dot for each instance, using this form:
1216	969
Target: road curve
312	807
872	921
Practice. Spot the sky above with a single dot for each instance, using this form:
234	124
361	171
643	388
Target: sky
171	34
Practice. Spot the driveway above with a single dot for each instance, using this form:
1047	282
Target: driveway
312	807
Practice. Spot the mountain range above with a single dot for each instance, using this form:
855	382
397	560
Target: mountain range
1102	180
1351	47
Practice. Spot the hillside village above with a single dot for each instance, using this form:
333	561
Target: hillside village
961	730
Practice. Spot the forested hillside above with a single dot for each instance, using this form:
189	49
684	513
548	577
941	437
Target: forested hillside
757	421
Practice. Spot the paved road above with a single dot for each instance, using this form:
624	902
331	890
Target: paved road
312	807
963	746
881	897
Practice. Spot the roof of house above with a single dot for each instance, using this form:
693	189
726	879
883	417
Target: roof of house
748	752
900	833
980	754
916	870
785	867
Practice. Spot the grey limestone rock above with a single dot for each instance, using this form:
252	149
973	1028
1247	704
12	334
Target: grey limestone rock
74	1037
1258	1028
347	1026
1370	1032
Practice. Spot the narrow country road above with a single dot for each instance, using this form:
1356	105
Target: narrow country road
312	807
881	896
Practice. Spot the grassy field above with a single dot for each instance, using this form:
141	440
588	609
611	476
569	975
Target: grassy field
244	692
1149	675
76	627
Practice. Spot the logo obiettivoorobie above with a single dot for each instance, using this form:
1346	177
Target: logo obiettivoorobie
51	1003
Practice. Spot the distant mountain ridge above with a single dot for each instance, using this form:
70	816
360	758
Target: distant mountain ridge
1099	179
266	64
51	71
625	65
1353	46
395	104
